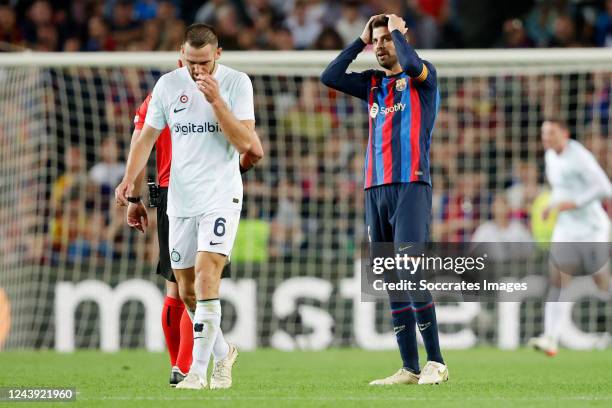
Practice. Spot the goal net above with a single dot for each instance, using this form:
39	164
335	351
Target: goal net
72	275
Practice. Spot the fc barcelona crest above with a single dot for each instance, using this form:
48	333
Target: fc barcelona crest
400	84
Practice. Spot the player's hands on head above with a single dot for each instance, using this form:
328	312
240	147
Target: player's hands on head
209	86
122	192
137	216
396	23
366	35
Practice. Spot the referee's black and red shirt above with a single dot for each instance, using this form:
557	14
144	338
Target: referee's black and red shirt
163	146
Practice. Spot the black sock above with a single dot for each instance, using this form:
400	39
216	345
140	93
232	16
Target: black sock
425	313
405	334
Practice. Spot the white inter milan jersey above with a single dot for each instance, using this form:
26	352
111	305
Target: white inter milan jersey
204	173
576	176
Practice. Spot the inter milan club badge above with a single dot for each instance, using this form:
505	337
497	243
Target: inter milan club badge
175	256
183	99
400	85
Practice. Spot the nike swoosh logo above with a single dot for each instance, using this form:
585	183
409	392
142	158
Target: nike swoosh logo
424	326
178	110
405	247
215	243
398	329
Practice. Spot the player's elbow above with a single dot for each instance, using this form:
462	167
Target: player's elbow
327	78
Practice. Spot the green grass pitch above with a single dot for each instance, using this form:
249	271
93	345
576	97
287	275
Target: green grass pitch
481	377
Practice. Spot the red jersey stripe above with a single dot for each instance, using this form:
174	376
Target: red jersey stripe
370	148
415	133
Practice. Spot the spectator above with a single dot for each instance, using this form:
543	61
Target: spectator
207	13
603	27
423	27
40	14
329	39
109	171
514	35
524	189
227	26
282	39
516	239
351	23
462	208
304	28
564	34
74	174
171	27
124	28
10	34
99	36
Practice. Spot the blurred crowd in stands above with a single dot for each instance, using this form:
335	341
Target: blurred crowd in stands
304	202
148	25
306	198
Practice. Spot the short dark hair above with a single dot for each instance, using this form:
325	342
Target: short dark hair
558	121
199	35
382	21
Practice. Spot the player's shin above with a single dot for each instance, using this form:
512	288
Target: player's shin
206	326
425	313
404	326
221	347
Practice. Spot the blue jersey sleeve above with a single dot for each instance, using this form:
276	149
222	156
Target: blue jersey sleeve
336	77
423	71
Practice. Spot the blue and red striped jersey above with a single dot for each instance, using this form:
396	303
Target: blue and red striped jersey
402	113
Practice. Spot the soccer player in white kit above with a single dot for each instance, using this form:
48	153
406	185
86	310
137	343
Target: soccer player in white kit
579	185
209	110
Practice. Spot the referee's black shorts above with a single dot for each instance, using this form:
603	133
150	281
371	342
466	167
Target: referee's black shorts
164	268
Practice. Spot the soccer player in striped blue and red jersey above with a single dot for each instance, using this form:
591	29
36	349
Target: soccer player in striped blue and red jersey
403	101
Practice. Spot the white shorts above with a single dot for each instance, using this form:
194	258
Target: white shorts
213	231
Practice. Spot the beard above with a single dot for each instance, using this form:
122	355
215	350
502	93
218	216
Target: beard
386	61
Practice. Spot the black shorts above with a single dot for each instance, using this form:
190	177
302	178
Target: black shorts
164	267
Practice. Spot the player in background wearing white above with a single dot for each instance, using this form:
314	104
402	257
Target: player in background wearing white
579	185
209	110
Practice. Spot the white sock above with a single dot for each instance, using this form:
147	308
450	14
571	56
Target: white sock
554	318
206	327
221	347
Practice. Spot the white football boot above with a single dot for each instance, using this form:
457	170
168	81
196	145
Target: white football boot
402	376
544	344
192	382
434	373
222	372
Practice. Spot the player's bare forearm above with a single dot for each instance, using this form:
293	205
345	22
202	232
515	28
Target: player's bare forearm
139	181
241	134
137	159
252	156
140	151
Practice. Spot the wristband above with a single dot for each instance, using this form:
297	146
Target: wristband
134	200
